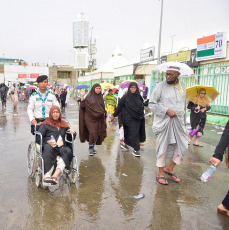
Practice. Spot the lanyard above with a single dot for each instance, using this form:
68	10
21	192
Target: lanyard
43	101
181	88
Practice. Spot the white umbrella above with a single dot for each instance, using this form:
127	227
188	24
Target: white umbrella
181	67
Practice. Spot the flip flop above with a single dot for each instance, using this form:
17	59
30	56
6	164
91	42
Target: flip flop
162	178
54	180
198	145
48	180
189	142
172	175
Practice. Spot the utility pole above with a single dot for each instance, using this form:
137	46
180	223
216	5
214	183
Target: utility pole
172	43
159	42
91	53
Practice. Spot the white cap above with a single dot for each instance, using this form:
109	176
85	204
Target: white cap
174	68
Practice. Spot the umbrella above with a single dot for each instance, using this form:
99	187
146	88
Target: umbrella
183	68
106	85
65	85
115	90
211	92
56	84
31	87
82	87
127	83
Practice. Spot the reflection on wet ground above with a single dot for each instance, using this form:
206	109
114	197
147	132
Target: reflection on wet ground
103	195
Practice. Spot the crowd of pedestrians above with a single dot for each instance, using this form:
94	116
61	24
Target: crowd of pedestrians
96	110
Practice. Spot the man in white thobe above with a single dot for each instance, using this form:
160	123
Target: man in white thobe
168	102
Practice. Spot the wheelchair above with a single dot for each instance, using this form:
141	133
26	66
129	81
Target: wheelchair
35	162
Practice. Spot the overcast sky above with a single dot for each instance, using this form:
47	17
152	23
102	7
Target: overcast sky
41	30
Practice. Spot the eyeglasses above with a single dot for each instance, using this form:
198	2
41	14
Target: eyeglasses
203	93
169	74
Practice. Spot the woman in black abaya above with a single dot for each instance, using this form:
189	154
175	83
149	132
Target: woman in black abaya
132	108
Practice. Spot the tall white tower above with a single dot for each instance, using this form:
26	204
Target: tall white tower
81	41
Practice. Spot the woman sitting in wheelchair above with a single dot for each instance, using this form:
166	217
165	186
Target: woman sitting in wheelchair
55	151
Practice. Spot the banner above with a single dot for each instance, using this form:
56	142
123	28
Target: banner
22	75
180	57
212	47
187	57
147	54
34	75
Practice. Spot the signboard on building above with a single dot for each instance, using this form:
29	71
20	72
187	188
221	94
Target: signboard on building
163	59
180	57
22	75
34	75
25	75
147	54
212	47
187	57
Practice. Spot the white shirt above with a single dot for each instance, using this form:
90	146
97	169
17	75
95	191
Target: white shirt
34	108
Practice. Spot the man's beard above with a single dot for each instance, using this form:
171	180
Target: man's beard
171	82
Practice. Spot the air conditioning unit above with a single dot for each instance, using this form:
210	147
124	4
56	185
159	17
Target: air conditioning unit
81	60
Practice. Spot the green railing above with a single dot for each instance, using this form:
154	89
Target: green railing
215	74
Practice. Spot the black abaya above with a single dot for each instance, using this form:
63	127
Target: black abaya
49	153
132	109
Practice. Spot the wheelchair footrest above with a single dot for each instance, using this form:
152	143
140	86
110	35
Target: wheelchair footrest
47	184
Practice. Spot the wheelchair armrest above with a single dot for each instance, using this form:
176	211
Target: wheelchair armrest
38	140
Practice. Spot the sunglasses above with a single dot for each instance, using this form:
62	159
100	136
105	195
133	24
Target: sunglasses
203	93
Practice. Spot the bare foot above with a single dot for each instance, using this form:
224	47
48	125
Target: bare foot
223	210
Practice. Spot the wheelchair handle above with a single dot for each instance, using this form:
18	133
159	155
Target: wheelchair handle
39	134
66	140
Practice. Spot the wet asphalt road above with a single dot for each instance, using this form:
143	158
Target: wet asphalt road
103	196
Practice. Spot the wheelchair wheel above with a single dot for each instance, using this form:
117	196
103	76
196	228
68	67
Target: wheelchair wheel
31	159
73	175
38	180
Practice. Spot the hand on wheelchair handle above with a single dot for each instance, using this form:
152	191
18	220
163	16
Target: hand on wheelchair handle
34	122
70	131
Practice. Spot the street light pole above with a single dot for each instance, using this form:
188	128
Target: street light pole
172	43
90	53
159	42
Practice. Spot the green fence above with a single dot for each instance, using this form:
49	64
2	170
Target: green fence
215	74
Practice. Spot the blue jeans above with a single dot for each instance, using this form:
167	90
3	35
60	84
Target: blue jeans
93	145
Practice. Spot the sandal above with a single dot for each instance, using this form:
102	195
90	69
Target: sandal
189	142
172	175
162	178
54	180
198	145
48	180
